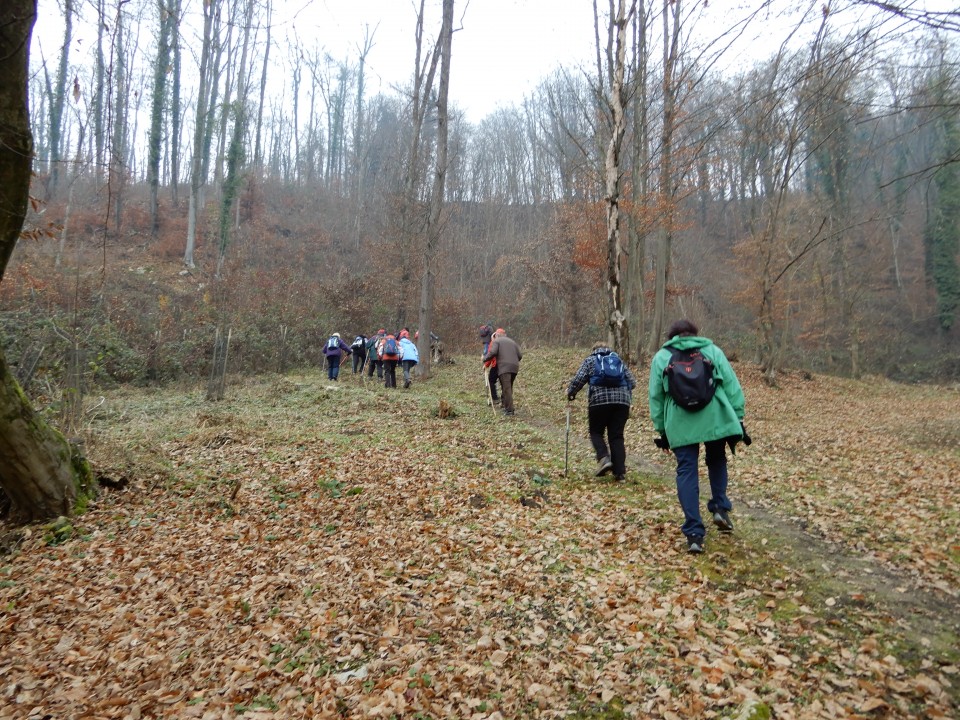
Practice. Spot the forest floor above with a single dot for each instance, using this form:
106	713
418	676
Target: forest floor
314	549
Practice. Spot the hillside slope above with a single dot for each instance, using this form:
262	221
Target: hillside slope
306	549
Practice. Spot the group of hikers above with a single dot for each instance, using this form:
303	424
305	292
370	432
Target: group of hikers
694	397
380	352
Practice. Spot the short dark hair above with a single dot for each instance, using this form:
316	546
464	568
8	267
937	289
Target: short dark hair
682	327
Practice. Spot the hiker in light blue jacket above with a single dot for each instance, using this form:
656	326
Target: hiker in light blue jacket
409	356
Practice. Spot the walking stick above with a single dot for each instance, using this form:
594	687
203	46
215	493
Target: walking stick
566	449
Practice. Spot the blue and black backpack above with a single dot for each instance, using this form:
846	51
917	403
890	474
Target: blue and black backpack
608	370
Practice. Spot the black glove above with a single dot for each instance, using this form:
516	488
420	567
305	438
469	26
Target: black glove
662	442
746	439
570	397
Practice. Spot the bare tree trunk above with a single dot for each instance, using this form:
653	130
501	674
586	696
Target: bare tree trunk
196	168
436	199
58	99
37	472
671	37
640	182
159	102
258	149
175	118
422	85
618	332
216	386
118	144
99	105
74	175
235	155
358	152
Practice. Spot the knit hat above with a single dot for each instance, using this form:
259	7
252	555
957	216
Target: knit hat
336	335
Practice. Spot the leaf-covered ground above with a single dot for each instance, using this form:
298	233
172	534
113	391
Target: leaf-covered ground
302	550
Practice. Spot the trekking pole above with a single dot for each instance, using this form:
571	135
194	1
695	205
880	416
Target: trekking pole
566	449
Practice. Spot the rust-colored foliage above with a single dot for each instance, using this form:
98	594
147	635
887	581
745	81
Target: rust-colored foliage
585	224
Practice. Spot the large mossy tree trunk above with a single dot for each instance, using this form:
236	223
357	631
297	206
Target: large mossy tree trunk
37	472
40	474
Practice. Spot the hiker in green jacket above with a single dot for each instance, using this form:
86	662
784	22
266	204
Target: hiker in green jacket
695	398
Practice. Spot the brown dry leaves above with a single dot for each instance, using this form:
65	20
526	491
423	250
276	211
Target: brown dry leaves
376	561
871	465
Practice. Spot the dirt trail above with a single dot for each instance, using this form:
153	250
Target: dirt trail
927	619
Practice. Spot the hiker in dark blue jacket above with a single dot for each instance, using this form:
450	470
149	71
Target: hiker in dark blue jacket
373	354
334	350
359	348
608	406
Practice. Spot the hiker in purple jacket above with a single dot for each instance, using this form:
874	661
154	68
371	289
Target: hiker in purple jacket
334	350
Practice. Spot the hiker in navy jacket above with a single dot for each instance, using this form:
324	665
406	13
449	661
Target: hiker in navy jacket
608	409
373	354
359	348
334	350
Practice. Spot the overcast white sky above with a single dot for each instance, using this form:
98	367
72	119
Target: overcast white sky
501	49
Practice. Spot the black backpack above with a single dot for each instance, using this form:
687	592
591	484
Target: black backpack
608	370
690	379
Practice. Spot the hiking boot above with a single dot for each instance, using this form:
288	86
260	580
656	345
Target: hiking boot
406	384
604	466
721	518
620	479
694	545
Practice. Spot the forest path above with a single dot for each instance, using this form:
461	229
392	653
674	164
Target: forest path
836	573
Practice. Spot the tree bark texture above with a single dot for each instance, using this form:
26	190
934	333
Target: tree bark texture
157	110
617	328
36	471
196	166
16	142
436	200
665	193
58	98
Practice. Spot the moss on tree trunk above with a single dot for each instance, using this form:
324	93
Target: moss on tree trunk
39	472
